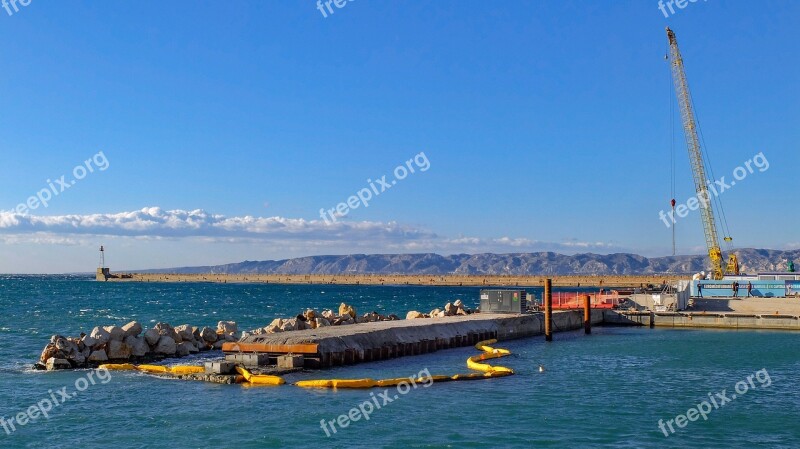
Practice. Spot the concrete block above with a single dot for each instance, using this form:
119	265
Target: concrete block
53	364
248	360
219	367
291	361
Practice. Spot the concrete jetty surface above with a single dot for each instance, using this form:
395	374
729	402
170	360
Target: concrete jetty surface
340	345
720	313
706	320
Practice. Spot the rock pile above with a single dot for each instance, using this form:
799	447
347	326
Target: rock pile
450	309
132	343
312	319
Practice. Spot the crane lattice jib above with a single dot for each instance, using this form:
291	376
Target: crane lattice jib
695	156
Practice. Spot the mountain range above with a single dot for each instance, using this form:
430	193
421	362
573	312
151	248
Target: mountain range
540	263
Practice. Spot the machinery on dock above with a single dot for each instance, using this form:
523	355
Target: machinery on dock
504	301
697	163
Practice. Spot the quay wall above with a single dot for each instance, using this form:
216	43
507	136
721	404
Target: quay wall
766	321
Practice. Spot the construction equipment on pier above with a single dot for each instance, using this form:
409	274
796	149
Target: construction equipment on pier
698	166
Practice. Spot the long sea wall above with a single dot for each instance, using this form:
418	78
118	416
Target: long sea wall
376	279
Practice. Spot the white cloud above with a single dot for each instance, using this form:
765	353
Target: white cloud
154	223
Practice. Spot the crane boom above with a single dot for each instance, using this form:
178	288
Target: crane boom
696	162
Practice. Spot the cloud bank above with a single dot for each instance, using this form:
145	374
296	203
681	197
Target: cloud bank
156	223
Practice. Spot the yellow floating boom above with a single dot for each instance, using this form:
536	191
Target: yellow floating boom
475	363
153	369
259	379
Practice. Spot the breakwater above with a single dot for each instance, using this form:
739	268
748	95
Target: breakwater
132	343
121	345
379	279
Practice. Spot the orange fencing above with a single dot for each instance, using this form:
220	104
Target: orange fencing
574	300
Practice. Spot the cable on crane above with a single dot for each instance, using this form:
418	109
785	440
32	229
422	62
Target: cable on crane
672	153
726	232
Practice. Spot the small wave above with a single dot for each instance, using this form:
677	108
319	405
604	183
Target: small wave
19	367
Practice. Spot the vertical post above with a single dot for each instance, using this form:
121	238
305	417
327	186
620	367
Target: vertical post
587	314
548	310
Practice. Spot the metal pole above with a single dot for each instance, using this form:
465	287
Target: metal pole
548	310
587	314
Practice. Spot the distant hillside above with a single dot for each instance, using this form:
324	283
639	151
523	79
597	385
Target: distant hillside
543	263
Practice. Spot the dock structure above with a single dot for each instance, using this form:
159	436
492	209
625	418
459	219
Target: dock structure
714	320
344	345
452	280
773	313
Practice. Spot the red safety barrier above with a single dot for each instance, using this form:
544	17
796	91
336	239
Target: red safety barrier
574	300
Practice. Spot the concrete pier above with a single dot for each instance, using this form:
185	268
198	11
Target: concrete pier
705	320
343	345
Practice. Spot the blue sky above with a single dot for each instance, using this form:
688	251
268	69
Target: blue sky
226	127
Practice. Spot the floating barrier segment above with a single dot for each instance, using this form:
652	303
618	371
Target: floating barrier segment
489	352
118	367
474	363
259	379
153	369
338	383
247	376
183	370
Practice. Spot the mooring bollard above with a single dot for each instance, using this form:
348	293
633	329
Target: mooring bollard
548	310
587	314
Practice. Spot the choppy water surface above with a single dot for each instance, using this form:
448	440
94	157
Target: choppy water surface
609	389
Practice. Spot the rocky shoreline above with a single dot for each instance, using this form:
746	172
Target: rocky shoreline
450	309
312	319
131	343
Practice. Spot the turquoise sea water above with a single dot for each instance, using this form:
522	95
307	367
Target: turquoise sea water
606	390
